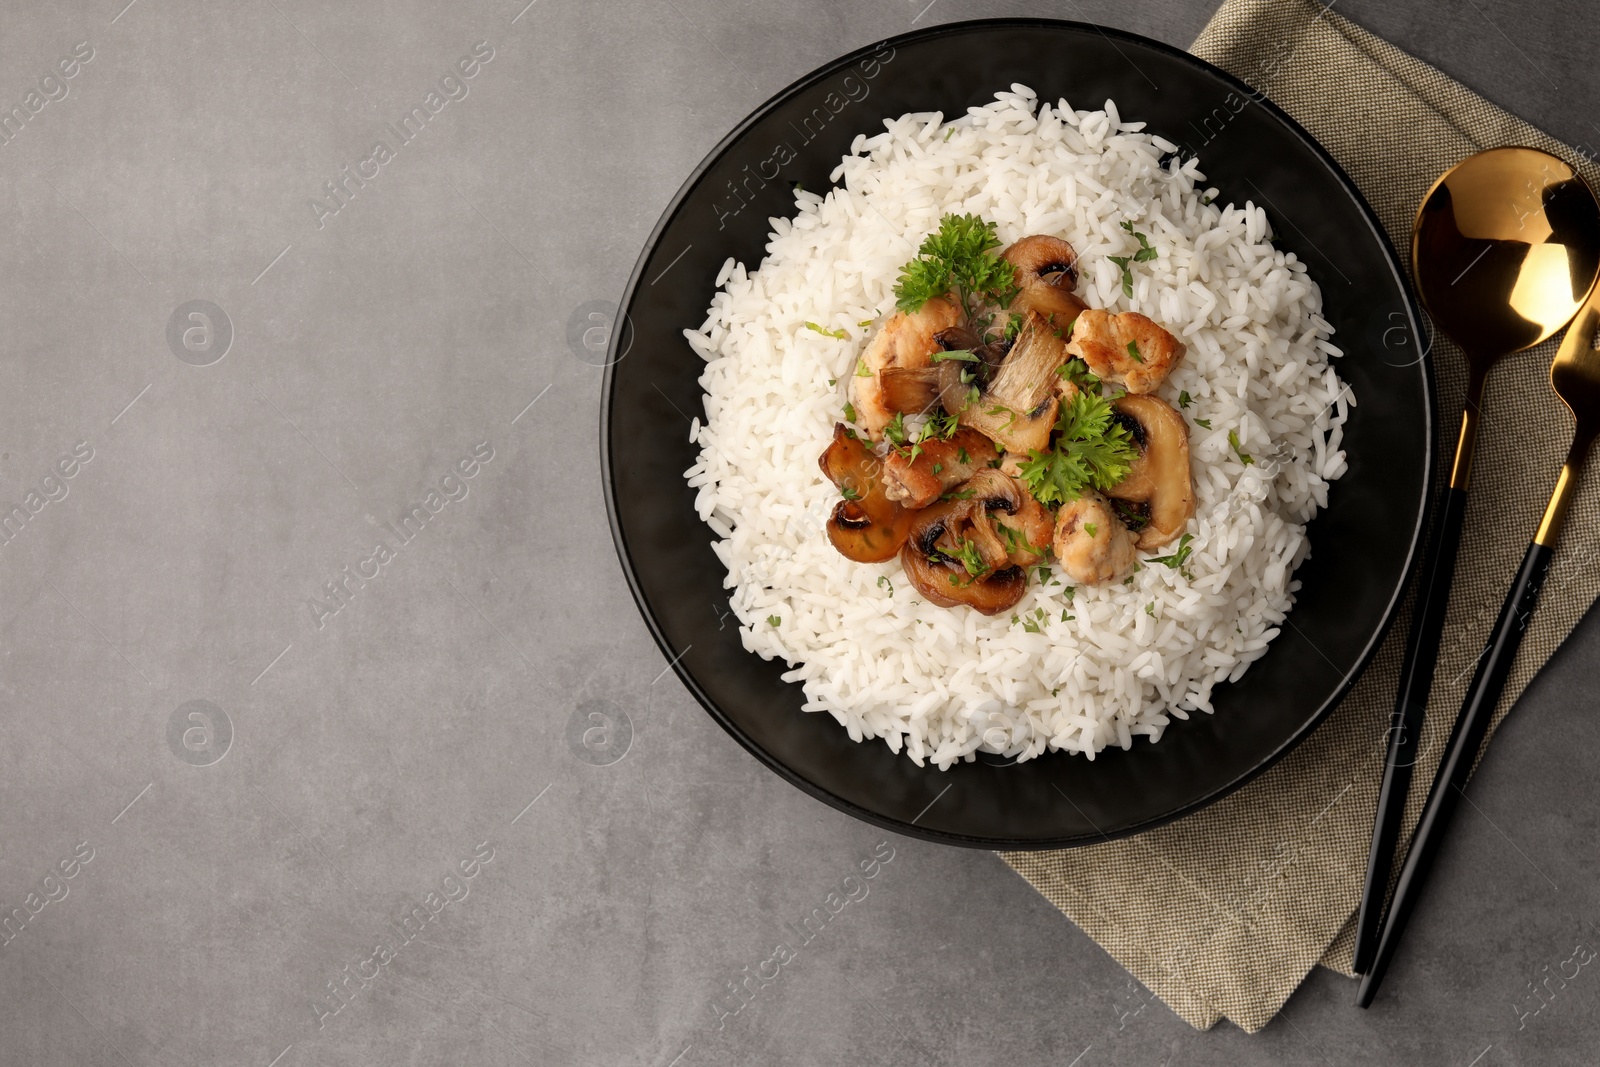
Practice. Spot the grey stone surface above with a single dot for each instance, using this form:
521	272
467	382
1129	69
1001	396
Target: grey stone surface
235	863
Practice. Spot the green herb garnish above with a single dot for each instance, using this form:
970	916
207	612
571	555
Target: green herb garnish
849	493
1144	255
885	583
1179	556
1203	423
957	353
1091	529
959	257
1133	352
774	620
1092	450
1184	399
967	555
849	412
1078	373
1150	609
1233	441
896	430
840	334
862	370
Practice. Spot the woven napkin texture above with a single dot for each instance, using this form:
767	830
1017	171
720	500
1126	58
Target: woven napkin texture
1224	913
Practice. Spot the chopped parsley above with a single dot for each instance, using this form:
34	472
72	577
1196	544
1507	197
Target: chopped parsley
1065	618
1144	255
959	257
1150	609
1133	352
1203	423
967	555
1233	441
948	131
840	334
937	467
885	583
961	456
1179	556
849	412
1184	399
962	494
774	620
862	370
1014	325
849	493
1091	529
957	353
896	430
864	323
1078	373
1034	622
1092	450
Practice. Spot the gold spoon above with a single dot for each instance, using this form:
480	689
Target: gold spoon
1575	377
1504	251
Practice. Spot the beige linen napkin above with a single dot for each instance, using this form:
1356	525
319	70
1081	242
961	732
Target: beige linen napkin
1223	914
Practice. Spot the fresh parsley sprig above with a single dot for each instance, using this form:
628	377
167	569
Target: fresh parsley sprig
959	257
1092	451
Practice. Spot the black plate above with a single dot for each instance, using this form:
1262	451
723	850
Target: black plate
1363	544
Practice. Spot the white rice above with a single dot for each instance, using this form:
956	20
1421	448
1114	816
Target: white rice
943	684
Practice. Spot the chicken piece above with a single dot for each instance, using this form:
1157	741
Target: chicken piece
1091	541
940	465
1126	347
906	341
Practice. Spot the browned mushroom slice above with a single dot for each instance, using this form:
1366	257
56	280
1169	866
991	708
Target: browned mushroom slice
1126	347
917	390
953	554
1160	478
866	526
1018	408
940	464
1091	541
1047	274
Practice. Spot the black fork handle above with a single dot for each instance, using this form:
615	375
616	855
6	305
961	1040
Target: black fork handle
1466	738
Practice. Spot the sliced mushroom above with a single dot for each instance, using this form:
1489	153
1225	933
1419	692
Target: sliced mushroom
1091	541
944	539
916	390
940	464
1047	274
866	526
1125	347
1160	479
907	340
1018	408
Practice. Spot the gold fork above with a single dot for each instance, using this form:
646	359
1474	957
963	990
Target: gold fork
1575	377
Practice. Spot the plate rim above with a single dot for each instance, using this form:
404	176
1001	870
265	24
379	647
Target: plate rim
1429	415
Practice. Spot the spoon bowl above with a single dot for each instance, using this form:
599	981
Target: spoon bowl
1505	249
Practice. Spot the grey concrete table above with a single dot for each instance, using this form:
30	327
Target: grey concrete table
272	797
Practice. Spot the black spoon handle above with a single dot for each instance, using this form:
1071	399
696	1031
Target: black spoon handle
1466	737
1405	724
